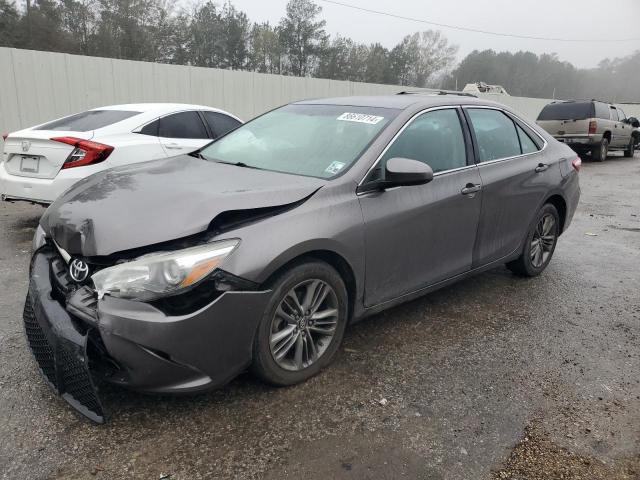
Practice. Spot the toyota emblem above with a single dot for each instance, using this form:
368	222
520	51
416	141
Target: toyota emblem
26	145
78	270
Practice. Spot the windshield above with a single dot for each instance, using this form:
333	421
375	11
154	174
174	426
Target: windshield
567	111
312	140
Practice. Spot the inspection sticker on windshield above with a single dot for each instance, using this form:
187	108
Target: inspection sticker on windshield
334	168
360	118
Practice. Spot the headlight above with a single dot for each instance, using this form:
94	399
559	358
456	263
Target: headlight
38	239
161	274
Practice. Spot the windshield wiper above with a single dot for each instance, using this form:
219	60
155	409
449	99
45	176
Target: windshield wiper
239	164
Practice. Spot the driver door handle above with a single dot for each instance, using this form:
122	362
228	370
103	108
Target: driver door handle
541	167
471	188
173	146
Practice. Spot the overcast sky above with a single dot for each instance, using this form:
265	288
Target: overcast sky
577	19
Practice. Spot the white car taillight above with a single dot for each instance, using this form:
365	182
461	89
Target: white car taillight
576	164
85	152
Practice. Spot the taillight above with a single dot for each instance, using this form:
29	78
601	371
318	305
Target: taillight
593	127
576	164
85	152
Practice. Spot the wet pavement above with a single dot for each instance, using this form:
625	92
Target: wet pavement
494	377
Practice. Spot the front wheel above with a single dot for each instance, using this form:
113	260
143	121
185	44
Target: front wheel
303	324
539	245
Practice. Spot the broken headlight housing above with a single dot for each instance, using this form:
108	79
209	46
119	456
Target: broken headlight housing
162	274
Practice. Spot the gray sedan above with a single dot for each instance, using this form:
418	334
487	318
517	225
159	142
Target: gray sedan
258	250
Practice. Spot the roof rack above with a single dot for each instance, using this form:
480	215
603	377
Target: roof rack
436	92
569	100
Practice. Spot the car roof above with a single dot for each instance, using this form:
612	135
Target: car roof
401	101
157	107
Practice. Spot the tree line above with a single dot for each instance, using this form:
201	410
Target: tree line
213	35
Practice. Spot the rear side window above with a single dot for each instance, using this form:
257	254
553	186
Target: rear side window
614	113
567	111
527	145
621	115
496	134
87	121
602	110
151	129
219	123
182	125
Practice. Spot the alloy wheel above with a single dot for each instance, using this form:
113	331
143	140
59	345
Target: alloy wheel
304	325
543	241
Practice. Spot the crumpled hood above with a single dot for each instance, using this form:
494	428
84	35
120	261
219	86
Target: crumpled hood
153	202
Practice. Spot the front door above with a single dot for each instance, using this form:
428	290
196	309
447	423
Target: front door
182	133
416	236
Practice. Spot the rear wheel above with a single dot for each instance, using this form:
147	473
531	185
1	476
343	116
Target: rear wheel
302	326
600	152
629	151
539	245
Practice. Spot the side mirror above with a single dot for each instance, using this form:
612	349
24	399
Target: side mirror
633	121
404	171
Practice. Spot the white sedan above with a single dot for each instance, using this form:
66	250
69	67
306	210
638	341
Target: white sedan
40	163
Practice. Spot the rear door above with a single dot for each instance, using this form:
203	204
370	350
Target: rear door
183	132
516	175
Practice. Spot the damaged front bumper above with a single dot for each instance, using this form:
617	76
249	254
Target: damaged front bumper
77	339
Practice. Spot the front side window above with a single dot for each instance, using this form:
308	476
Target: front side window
434	138
87	121
496	134
303	139
621	115
182	125
614	113
219	123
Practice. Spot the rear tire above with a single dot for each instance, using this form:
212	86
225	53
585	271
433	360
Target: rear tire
539	245
630	150
293	343
599	153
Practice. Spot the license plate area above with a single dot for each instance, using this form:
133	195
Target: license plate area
29	164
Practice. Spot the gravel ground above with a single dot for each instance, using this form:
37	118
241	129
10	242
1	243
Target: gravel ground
494	377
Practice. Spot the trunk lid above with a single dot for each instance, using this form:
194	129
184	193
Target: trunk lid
32	153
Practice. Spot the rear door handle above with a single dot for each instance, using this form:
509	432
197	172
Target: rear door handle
471	188
541	167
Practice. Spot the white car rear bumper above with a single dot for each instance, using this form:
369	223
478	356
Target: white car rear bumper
40	190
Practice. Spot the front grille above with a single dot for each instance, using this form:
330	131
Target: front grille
39	344
77	382
64	363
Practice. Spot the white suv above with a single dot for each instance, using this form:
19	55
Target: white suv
40	163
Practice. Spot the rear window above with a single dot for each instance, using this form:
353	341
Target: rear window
87	121
567	111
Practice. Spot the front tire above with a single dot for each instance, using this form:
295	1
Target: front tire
599	153
539	245
303	324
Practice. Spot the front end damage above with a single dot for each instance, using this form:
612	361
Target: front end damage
177	345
